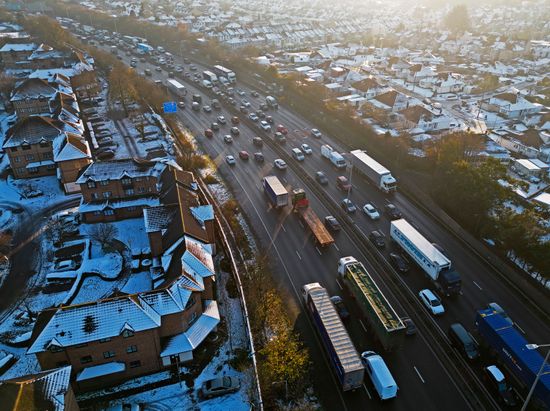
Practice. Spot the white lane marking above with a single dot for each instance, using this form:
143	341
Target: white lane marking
339	285
419	375
298	254
477	285
367	391
521	329
283	227
363	325
319	251
335	246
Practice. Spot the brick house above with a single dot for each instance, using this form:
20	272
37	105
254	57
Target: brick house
12	53
37	145
113	339
49	390
115	190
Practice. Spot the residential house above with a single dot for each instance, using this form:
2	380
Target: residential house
125	336
391	101
512	105
418	72
530	168
12	53
115	190
443	83
424	120
48	390
367	87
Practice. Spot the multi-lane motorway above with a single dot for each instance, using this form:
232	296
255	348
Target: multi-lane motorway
423	381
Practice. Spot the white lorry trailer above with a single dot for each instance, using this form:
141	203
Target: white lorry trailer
224	72
275	191
373	170
176	87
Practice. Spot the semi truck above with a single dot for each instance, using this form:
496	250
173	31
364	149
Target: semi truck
383	319
275	191
300	205
224	72
145	48
432	261
508	344
333	156
176	87
209	76
344	358
373	170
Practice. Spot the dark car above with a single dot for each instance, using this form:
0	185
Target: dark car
257	141
377	238
463	341
348	206
393	212
410	326
399	262
269	119
259	157
321	178
340	307
332	223
497	383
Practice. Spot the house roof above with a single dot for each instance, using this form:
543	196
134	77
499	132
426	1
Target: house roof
34	129
510	97
118	169
74	147
365	84
33	88
388	98
158	218
36	392
415	113
530	137
8	47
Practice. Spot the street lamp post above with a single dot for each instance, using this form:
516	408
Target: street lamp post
534	347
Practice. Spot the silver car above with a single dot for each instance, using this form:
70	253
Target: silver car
220	386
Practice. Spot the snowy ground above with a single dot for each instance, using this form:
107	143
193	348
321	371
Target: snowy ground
47	190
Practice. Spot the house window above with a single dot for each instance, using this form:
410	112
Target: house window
20	171
141	189
129	192
107	194
55	348
131	348
127	333
47	156
86	359
108	354
191	302
135	364
50	166
97	212
29	157
26	147
109	212
104	340
91	184
33	169
193	318
44	144
137	179
132	208
104	183
95	196
13	149
16	159
126	181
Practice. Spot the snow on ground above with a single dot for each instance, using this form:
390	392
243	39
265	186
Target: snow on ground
105	265
47	189
131	232
5	218
220	192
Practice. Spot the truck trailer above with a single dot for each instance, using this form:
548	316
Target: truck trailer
275	191
509	345
385	322
432	261
145	48
301	206
176	87
344	358
333	156
373	170
209	76
224	72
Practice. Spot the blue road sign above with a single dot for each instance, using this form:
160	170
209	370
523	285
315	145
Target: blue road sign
170	107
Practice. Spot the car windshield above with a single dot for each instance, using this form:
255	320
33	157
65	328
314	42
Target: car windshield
435	302
227	382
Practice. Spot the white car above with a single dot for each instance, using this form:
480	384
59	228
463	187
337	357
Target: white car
371	211
65	265
253	117
280	164
306	149
222	120
230	160
228	139
245	103
265	126
316	133
431	302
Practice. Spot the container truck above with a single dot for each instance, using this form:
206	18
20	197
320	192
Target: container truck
224	72
209	76
509	345
145	48
176	87
300	205
373	170
344	358
432	261
383	319
275	191
333	156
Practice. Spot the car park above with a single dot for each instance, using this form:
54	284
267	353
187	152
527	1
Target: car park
392	211
370	210
316	133
235	131
348	206
228	139
431	301
306	149
219	386
332	223
399	262
259	157
280	164
321	178
341	308
243	155
229	159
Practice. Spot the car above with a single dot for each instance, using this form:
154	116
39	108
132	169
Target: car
253	117
221	119
370	210
260	113
65	265
377	238
228	139
208	133
235	120
432	303
462	340
265	126
192	67
321	178
219	386
243	109
254	94
241	92
392	212
269	119
259	157
282	129
207	109
315	133
342	183
245	103
158	68
179	69
399	262
243	155
497	383
341	308
281	139
215	126
409	325
348	206
258	142
229	159
235	131
280	164
181	104
306	149
332	223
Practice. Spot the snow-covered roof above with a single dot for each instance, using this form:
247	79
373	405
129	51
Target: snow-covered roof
197	258
203	213
118	169
118	204
196	334
6	48
101	370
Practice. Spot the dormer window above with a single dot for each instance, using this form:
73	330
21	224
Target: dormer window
55	348
26	146
44	143
127	333
126	181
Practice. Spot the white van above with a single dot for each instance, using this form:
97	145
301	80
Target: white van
297	154
207	84
380	375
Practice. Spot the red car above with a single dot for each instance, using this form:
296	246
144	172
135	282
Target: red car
243	155
208	133
282	129
235	120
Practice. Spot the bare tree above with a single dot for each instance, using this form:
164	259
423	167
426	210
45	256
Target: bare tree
103	233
